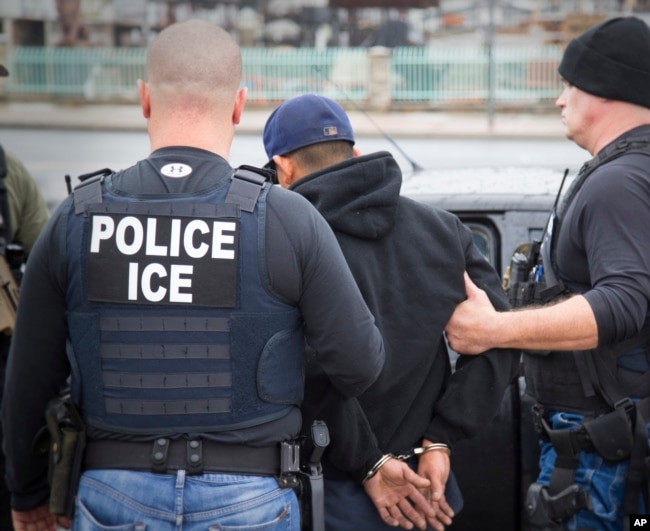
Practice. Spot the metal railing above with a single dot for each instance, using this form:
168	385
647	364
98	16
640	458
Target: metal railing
426	77
88	73
460	75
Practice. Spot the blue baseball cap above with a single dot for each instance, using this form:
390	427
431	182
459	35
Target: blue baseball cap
305	120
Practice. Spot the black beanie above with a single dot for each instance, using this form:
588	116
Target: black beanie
611	60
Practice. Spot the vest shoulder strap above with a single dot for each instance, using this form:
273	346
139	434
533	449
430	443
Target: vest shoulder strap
640	144
246	186
89	190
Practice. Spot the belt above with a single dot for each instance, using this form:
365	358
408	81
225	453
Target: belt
196	456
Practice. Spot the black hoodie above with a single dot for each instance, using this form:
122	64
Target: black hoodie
408	260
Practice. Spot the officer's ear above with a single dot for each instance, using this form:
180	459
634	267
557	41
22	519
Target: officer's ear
240	101
145	100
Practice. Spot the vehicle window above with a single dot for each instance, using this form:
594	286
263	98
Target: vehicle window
485	238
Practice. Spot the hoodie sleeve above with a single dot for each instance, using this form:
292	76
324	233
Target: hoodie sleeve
475	390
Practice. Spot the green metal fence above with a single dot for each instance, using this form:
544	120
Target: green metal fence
277	74
461	75
425	76
89	73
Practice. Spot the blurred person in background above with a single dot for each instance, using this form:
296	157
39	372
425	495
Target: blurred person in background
23	214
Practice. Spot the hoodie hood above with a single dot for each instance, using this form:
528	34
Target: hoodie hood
357	197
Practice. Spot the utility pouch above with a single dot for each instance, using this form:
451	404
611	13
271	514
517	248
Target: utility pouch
611	435
68	441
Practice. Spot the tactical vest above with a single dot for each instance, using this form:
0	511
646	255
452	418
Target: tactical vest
577	382
172	326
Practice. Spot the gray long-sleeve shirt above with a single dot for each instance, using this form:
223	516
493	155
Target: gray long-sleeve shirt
603	244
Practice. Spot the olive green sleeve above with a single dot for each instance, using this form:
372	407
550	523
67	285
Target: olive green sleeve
27	208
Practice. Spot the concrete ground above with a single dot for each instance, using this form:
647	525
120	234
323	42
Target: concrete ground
396	124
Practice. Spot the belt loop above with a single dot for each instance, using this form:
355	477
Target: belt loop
194	456
159	454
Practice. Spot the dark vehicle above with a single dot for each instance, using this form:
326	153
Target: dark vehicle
504	208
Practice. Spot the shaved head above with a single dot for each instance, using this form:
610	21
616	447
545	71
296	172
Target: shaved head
194	64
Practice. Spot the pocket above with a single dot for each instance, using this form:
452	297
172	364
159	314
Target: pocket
283	354
84	520
282	521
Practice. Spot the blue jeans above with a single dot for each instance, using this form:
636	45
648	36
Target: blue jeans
605	482
127	500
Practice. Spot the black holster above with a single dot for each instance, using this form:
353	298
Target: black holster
67	443
312	500
301	470
546	512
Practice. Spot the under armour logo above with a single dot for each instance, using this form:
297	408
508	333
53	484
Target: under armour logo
177	169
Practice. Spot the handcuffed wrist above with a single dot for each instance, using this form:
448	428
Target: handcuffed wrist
373	471
416	451
433	447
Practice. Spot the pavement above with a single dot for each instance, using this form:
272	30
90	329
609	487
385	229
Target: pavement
127	117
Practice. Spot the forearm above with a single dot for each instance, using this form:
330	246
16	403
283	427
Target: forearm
568	325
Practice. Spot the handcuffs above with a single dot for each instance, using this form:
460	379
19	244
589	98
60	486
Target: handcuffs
403	457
